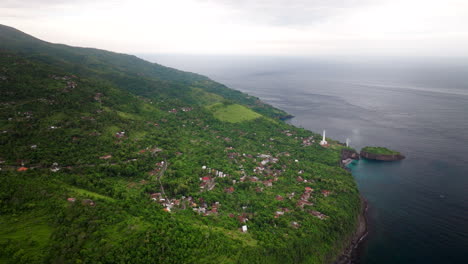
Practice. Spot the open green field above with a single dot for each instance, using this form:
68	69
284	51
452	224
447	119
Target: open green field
86	193
27	234
234	113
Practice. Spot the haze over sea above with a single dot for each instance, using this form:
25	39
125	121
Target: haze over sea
418	208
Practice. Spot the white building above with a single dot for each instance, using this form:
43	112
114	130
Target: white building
323	142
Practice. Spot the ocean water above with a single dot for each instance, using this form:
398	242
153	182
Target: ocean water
418	207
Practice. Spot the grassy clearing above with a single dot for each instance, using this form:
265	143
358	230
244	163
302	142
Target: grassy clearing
111	130
130	116
86	193
245	238
25	227
205	97
138	135
234	113
28	231
121	231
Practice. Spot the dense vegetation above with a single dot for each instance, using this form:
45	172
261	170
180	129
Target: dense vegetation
380	151
106	158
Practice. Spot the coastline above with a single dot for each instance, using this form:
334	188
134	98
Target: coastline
350	252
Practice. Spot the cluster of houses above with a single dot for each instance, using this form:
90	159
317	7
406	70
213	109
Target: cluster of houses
183	109
168	204
87	202
203	209
186	109
304	200
70	84
281	211
242	219
153	150
318	214
214	172
287	133
308	141
264	167
208	182
185	202
27	114
159	166
305	141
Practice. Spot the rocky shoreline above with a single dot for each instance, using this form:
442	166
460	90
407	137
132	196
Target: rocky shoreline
350	252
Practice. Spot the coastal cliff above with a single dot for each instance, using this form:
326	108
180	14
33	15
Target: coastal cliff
349	253
382	157
348	155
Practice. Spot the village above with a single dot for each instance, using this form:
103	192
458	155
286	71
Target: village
264	176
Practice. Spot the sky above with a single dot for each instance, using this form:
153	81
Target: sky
261	27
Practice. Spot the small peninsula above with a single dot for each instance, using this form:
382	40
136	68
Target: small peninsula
381	153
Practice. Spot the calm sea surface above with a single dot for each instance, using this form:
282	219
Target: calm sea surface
419	206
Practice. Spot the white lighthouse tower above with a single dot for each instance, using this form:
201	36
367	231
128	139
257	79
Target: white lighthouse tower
323	142
347	142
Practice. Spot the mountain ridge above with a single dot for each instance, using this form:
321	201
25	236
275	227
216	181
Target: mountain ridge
107	161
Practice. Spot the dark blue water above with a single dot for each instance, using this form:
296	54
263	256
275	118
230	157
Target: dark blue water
419	206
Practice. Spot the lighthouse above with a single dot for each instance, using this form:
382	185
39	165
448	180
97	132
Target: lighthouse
347	142
323	142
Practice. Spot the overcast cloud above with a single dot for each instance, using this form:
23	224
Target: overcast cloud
272	27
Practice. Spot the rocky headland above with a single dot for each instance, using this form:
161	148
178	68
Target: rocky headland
381	154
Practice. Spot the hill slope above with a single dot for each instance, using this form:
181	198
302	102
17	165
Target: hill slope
108	158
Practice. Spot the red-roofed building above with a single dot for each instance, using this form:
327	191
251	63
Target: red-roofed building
308	189
206	178
268	183
22	169
242	219
229	190
326	193
301	203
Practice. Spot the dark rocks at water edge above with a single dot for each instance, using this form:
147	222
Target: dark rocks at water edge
350	253
348	155
286	117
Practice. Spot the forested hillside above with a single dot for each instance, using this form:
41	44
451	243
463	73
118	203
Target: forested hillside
107	158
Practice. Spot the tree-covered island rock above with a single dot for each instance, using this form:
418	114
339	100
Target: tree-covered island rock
381	153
